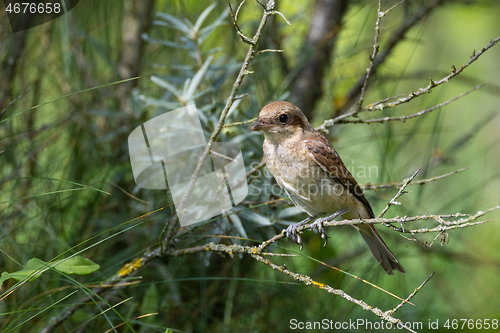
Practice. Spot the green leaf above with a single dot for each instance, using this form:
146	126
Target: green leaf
202	17
168	43
193	84
34	268
164	84
205	32
239	226
150	302
76	265
173	22
254	217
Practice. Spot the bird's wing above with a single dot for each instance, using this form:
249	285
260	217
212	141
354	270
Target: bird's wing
323	153
301	201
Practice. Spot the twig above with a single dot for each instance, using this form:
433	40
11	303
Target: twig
397	36
400	193
404	118
447	225
412	294
256	168
240	123
388	10
376	46
375	187
382	106
432	83
15	99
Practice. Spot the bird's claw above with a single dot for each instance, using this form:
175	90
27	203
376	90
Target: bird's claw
293	234
318	225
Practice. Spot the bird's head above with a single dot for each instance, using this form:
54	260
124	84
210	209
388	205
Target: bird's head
281	120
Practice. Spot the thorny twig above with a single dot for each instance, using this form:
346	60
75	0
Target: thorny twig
376	46
384	105
398	35
400	305
400	193
404	118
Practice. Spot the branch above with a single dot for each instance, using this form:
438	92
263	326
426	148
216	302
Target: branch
400	193
398	35
308	281
432	84
376	187
134	267
404	118
411	295
384	105
376	46
443	225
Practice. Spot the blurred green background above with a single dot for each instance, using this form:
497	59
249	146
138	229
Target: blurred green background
82	139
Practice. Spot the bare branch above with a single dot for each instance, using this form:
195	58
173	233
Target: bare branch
400	193
443	225
268	50
241	122
412	95
388	10
412	294
404	118
376	187
432	84
397	36
376	46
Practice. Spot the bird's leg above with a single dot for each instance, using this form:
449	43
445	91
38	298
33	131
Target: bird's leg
291	231
318	224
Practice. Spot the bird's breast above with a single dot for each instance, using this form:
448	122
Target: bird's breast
306	183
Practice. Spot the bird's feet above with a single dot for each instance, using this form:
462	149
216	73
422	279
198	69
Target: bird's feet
293	234
318	225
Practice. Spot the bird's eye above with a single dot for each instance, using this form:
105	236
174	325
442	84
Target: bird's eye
283	118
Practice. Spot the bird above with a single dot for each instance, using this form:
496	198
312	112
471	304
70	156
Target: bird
311	172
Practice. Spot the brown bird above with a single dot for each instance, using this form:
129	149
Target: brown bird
308	168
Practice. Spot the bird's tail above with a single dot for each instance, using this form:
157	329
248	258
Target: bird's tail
379	249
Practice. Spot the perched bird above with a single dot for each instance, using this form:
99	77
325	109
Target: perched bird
308	168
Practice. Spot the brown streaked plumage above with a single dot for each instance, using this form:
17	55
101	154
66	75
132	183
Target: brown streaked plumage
308	168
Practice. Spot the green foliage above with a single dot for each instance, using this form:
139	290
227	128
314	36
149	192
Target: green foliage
35	267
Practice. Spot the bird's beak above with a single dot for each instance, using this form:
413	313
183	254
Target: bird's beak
260	125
